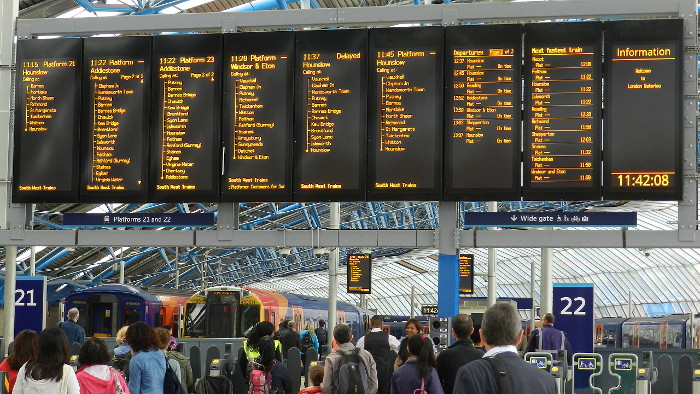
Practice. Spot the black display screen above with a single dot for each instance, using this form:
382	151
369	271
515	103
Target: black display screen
114	142
562	111
642	157
466	273
47	120
405	113
186	118
359	274
258	116
482	113
330	115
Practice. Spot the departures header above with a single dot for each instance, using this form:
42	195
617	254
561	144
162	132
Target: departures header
463	113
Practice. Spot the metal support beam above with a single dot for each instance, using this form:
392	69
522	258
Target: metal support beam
448	261
546	281
9	299
8	16
333	262
492	265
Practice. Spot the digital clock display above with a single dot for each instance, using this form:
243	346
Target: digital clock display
642	155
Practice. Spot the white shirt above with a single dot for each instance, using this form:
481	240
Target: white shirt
501	349
393	342
26	384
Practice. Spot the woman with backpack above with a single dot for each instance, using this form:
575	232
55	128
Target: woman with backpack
249	351
49	372
267	375
418	372
95	376
308	340
147	365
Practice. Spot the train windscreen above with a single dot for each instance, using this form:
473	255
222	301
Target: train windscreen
131	316
250	315
194	319
221	320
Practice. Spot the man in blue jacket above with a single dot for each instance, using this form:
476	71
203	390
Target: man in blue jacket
74	332
549	338
500	332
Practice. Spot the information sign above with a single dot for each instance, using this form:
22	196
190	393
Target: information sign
138	219
550	219
30	303
47	122
643	110
330	130
466	273
573	311
258	116
429	310
114	151
482	112
562	103
405	113
359	273
185	134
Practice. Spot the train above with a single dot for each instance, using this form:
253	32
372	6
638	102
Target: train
231	312
216	312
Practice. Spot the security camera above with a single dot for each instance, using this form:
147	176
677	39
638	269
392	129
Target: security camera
320	252
646	251
284	252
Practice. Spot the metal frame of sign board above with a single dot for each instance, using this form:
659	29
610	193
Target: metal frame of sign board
19	215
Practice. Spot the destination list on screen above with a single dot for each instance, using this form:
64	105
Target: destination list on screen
258	131
47	120
115	126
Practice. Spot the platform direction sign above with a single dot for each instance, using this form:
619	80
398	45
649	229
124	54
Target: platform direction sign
550	219
138	219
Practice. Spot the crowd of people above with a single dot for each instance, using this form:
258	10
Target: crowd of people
145	358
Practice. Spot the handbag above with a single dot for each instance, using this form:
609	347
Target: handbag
421	390
117	383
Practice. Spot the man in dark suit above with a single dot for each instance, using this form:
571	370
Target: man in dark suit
290	338
501	332
459	353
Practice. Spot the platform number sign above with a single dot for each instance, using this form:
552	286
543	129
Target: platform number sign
30	303
573	311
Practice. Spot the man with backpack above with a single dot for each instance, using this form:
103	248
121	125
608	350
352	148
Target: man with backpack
349	370
321	335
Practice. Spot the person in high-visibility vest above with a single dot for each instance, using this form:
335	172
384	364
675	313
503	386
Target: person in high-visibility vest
249	351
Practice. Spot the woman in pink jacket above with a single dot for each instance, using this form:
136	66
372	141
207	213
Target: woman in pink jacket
95	376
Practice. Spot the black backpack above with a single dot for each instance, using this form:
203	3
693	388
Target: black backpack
322	336
306	342
171	384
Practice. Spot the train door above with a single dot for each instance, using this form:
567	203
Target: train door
598	335
222	314
635	336
101	318
298	317
663	335
267	316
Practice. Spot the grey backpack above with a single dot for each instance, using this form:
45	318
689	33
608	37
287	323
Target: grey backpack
352	374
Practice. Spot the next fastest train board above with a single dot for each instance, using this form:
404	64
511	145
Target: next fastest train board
463	113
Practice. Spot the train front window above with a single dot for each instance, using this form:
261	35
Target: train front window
194	319
131	316
250	316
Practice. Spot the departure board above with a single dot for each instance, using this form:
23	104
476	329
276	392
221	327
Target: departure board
466	273
114	142
47	123
642	158
405	113
186	118
359	273
330	115
482	113
562	111
258	116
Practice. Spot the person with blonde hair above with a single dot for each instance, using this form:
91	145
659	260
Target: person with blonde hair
122	353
